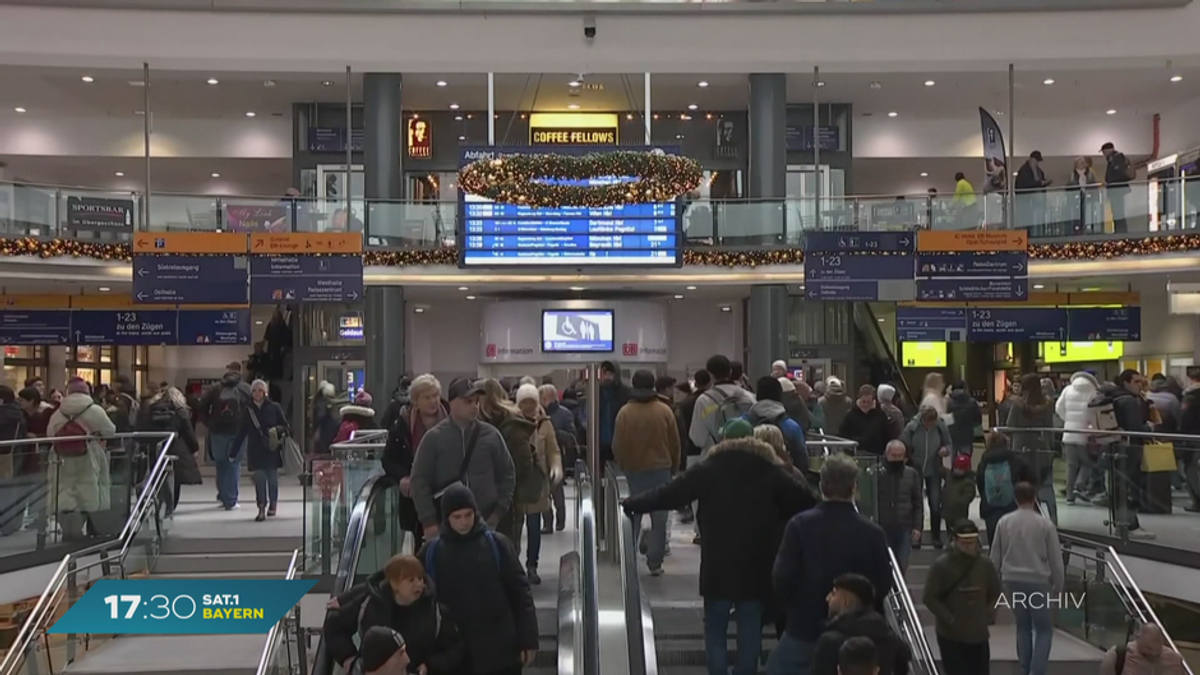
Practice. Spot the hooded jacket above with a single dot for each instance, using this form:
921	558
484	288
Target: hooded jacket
923	445
834	404
1032	446
1166	404
961	591
210	403
891	653
430	633
646	437
1072	406
83	482
491	475
485	589
548	456
773	412
1130	411
901	507
869	429
354	418
160	413
744	500
886	395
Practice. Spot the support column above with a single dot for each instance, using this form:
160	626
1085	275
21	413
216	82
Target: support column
768	136
382	136
767	333
384	331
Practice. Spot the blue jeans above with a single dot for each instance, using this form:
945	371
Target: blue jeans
266	486
644	481
900	541
749	617
1035	629
791	656
220	446
533	539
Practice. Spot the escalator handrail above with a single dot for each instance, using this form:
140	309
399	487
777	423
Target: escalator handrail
873	323
588	544
639	624
271	645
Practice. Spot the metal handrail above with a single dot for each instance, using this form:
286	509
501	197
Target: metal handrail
587	544
639	622
68	568
1147	435
272	642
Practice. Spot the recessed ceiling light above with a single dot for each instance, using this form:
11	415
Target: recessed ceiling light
702	83
213	80
137	83
820	83
249	113
629	116
726	308
1110	112
924	174
574	83
268	83
1048	81
678	297
463	288
105	289
88	78
216	175
470	297
691	288
441	83
458	118
893	114
876	85
19	109
1038	287
578	288
454	106
692	106
462	138
120	174
326	83
258	322
881	319
1176	78
929	83
573	106
419	310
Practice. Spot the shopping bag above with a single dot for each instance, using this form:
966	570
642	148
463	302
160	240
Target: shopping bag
1158	457
293	461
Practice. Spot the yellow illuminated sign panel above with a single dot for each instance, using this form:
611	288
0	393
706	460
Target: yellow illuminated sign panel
573	129
923	354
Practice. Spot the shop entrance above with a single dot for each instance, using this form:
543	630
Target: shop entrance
811	371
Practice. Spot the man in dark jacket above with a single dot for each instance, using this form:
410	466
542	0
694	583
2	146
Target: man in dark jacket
1117	175
221	413
1189	423
967	416
851	615
744	499
690	455
1030	183
866	423
900	502
1132	411
399	597
961	591
481	581
613	396
15	488
819	545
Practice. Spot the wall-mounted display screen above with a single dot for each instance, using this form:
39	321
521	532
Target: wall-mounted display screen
577	330
923	354
1069	352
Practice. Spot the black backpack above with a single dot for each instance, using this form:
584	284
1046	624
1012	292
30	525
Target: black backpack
162	416
227	410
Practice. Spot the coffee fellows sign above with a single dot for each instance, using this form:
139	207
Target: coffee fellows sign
420	138
573	129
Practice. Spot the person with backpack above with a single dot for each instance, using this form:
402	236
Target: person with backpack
834	405
264	429
768	409
1085	480
646	447
1132	413
324	418
928	441
480	580
1033	410
424	411
961	591
852	615
79	470
724	401
959	491
1146	654
221	413
126	402
400	597
547	470
554	518
996	478
167	412
1028	557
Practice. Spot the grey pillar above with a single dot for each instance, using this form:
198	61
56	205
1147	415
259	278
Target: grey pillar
384	330
382	136
767	328
768	136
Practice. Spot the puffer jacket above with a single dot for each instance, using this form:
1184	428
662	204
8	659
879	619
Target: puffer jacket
1072	406
901	507
892	654
84	483
923	445
967	416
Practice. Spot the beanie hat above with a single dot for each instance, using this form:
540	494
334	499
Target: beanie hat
786	385
738	428
780	364
456	498
886	392
362	398
527	391
379	645
962	462
77	385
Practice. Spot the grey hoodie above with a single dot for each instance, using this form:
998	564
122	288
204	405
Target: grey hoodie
708	419
490	475
924	445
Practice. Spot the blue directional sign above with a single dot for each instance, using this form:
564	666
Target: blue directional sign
125	327
854	291
214	327
190	279
931	324
37	327
969	264
305	278
858	242
985	290
838	266
1105	324
1017	324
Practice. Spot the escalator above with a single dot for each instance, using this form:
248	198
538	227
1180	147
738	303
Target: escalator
880	363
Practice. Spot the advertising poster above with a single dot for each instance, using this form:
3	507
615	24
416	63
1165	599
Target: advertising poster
93	213
994	158
251	218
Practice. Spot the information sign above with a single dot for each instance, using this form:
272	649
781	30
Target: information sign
190	279
35	327
305	278
972	265
1016	324
959	290
861	266
1105	324
931	324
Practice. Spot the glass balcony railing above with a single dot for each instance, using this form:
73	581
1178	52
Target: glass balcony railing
1094	213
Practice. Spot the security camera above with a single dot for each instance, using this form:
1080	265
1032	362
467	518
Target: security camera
589	28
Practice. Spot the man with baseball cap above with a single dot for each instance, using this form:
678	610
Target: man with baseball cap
961	591
382	653
463	449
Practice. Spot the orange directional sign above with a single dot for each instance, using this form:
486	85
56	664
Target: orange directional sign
973	241
42	301
310	243
188	242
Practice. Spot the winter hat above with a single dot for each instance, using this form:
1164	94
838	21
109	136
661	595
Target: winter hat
779	364
363	398
379	645
527	391
77	385
456	498
962	462
787	385
886	393
834	387
738	428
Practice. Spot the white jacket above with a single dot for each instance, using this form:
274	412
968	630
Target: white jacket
1072	406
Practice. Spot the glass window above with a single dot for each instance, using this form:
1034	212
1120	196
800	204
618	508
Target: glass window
141	356
85	354
25	352
107	354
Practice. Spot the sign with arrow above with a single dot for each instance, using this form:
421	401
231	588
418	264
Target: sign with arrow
305	278
973	265
1017	324
190	279
37	327
857	266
